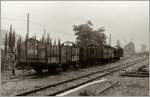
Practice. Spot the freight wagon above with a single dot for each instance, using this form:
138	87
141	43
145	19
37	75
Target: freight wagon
41	56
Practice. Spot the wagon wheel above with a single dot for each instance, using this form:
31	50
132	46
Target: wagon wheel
52	70
38	70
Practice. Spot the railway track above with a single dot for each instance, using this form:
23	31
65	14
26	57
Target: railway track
17	78
33	75
11	79
107	88
55	89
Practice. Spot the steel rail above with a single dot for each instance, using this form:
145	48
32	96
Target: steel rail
72	87
104	90
71	80
16	78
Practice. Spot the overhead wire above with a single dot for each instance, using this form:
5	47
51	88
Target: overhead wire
22	20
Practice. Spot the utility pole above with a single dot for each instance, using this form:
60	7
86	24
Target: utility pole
110	39
43	36
27	36
44	33
28	24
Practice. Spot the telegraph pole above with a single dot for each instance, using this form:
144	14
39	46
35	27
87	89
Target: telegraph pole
44	33
27	36
28	24
110	39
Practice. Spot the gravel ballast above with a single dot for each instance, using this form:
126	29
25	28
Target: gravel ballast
127	86
19	86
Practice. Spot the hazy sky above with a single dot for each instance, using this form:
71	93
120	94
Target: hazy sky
125	20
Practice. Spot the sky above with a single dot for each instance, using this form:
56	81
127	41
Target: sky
125	20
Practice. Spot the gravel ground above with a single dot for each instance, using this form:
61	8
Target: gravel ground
91	90
16	87
131	87
7	75
128	86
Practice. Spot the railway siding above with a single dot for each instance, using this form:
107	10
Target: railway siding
54	90
126	86
40	82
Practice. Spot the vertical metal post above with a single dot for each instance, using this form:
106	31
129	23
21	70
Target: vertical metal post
44	33
19	51
46	53
13	62
26	51
28	23
71	54
110	39
60	54
37	51
50	54
27	36
66	54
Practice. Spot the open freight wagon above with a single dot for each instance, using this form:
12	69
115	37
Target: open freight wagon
38	55
41	56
